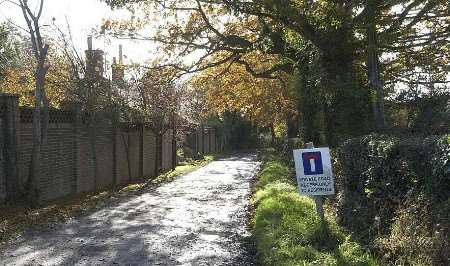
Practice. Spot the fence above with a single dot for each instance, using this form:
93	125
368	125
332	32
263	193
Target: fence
205	140
76	158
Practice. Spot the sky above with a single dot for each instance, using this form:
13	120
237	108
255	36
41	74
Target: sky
83	16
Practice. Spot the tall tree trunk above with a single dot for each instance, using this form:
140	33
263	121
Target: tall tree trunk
40	51
272	134
34	170
292	126
374	77
310	106
345	103
45	114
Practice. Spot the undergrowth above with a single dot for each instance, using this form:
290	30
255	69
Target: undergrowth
393	193
287	229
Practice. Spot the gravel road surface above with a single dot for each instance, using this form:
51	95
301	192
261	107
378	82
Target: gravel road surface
198	219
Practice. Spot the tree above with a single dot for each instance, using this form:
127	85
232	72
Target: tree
154	100
18	77
40	51
265	102
87	87
9	45
350	36
194	106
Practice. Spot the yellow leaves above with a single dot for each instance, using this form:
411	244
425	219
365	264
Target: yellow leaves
194	22
232	88
244	27
21	81
130	26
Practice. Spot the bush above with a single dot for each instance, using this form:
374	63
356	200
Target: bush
391	193
414	239
289	232
285	147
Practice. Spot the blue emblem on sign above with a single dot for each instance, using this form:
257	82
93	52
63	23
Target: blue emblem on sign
312	163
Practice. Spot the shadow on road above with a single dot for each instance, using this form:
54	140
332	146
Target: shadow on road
198	219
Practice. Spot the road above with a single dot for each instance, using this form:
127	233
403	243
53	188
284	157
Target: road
197	219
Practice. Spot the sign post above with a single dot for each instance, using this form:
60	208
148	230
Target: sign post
314	174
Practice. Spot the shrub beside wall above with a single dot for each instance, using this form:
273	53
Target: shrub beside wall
394	193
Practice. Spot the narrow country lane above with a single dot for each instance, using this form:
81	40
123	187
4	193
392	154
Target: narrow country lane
198	219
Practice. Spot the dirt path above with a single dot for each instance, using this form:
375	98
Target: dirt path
198	219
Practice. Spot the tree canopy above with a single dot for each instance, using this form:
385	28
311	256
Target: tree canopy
364	50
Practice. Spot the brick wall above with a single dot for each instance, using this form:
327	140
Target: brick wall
2	162
167	151
85	162
149	153
77	158
213	142
95	157
206	142
122	172
199	143
135	148
57	159
134	153
9	120
104	145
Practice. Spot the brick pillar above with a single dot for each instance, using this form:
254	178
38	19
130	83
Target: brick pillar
174	149
203	139
197	143
209	141
115	135
215	140
194	144
141	151
75	108
2	161
10	146
114	157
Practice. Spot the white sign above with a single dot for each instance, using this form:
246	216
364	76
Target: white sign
314	174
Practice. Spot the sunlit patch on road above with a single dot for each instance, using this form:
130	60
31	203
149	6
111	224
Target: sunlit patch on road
198	219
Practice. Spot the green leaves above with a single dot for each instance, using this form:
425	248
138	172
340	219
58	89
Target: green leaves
388	186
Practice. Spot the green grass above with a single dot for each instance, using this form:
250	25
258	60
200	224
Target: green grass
183	168
289	232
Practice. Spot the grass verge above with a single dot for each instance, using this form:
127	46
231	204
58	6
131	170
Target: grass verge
287	229
16	218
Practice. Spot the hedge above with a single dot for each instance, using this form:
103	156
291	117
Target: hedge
393	194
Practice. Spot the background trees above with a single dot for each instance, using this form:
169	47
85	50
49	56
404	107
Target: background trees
356	46
9	44
323	70
154	100
266	102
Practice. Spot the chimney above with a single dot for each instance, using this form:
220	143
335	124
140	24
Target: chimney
89	41
94	60
120	54
118	69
